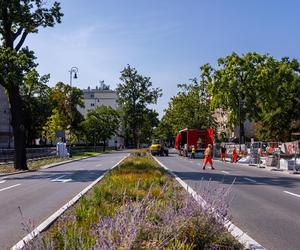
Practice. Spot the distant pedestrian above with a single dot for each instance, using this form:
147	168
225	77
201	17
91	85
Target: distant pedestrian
193	152
208	156
234	155
223	153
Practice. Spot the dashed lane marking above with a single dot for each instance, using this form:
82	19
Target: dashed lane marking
248	179
287	192
225	172
3	189
2	182
59	179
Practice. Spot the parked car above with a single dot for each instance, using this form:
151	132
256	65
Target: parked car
158	147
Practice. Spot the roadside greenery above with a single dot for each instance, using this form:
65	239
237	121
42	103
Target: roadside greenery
248	87
139	206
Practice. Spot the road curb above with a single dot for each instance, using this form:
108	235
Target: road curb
46	223
241	236
49	166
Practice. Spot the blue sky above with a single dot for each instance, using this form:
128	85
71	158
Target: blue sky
167	40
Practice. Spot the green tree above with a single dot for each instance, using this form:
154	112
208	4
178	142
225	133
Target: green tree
278	99
101	124
55	122
190	108
36	97
18	18
234	88
135	93
65	100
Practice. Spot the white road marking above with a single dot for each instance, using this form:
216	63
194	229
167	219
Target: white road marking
9	187
250	180
99	165
297	195
59	179
2	182
225	172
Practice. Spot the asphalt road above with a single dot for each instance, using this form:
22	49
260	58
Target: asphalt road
39	194
265	205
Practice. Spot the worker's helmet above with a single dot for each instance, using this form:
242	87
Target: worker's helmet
209	145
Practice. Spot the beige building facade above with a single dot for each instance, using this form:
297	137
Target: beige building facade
6	137
97	97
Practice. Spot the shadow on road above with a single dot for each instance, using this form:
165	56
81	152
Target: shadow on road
75	175
214	175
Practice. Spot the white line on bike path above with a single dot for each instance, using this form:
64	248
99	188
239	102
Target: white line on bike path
287	192
248	179
59	179
3	189
225	172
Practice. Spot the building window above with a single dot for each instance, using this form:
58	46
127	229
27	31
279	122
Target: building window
92	104
92	96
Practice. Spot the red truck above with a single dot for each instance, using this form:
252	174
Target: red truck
199	138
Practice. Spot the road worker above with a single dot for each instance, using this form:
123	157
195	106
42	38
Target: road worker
193	152
234	155
208	156
223	152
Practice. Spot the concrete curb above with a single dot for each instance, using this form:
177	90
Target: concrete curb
46	223
241	236
49	166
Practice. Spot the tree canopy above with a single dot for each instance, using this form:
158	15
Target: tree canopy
18	18
135	93
190	108
101	124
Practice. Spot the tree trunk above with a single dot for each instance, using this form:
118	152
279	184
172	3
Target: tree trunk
18	128
242	133
104	144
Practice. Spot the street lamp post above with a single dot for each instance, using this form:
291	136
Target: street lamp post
73	70
73	74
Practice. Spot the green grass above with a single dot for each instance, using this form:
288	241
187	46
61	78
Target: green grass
135	178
